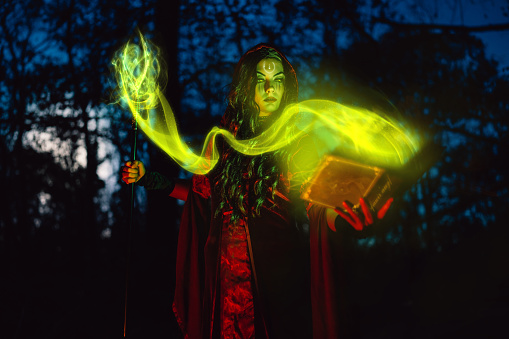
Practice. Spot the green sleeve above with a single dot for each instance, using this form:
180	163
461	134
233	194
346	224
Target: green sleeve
156	181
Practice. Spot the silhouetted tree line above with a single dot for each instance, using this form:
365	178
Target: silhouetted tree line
437	259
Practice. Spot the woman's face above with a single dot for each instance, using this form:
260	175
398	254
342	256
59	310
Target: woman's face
270	85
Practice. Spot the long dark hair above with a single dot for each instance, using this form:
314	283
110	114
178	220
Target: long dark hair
262	173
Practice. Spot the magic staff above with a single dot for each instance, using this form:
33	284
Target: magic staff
131	223
139	72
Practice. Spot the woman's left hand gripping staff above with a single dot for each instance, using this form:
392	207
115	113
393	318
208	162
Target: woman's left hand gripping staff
358	220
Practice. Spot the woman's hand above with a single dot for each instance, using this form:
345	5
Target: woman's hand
354	218
132	171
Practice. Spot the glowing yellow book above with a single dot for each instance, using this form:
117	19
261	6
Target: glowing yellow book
338	179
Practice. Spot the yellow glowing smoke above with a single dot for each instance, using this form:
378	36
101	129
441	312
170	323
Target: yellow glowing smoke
140	74
354	132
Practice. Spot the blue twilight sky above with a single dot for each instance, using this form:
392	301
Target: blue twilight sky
470	13
449	12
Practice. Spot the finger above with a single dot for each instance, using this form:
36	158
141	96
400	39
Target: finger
367	213
130	179
385	208
132	164
343	215
354	215
346	217
127	180
130	169
130	175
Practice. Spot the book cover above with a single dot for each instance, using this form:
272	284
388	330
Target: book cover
338	179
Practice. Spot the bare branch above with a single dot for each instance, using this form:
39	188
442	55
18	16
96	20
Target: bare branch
457	28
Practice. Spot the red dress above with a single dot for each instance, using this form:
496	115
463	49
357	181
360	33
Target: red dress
236	293
257	274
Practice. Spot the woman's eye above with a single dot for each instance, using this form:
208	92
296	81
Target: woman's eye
260	80
280	80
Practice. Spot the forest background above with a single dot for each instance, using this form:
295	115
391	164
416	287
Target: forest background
436	267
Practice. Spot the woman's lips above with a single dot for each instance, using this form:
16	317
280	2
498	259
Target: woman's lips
270	99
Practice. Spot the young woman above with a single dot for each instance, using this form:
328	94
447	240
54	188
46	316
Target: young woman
246	266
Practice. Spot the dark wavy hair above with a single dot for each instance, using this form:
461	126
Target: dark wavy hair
245	183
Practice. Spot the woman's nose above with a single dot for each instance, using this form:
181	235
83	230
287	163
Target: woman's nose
269	87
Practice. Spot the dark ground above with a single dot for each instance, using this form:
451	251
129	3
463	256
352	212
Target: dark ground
46	293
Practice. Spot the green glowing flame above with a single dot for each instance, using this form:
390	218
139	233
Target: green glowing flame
140	74
354	132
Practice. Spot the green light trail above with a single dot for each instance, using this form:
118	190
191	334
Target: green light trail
355	132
